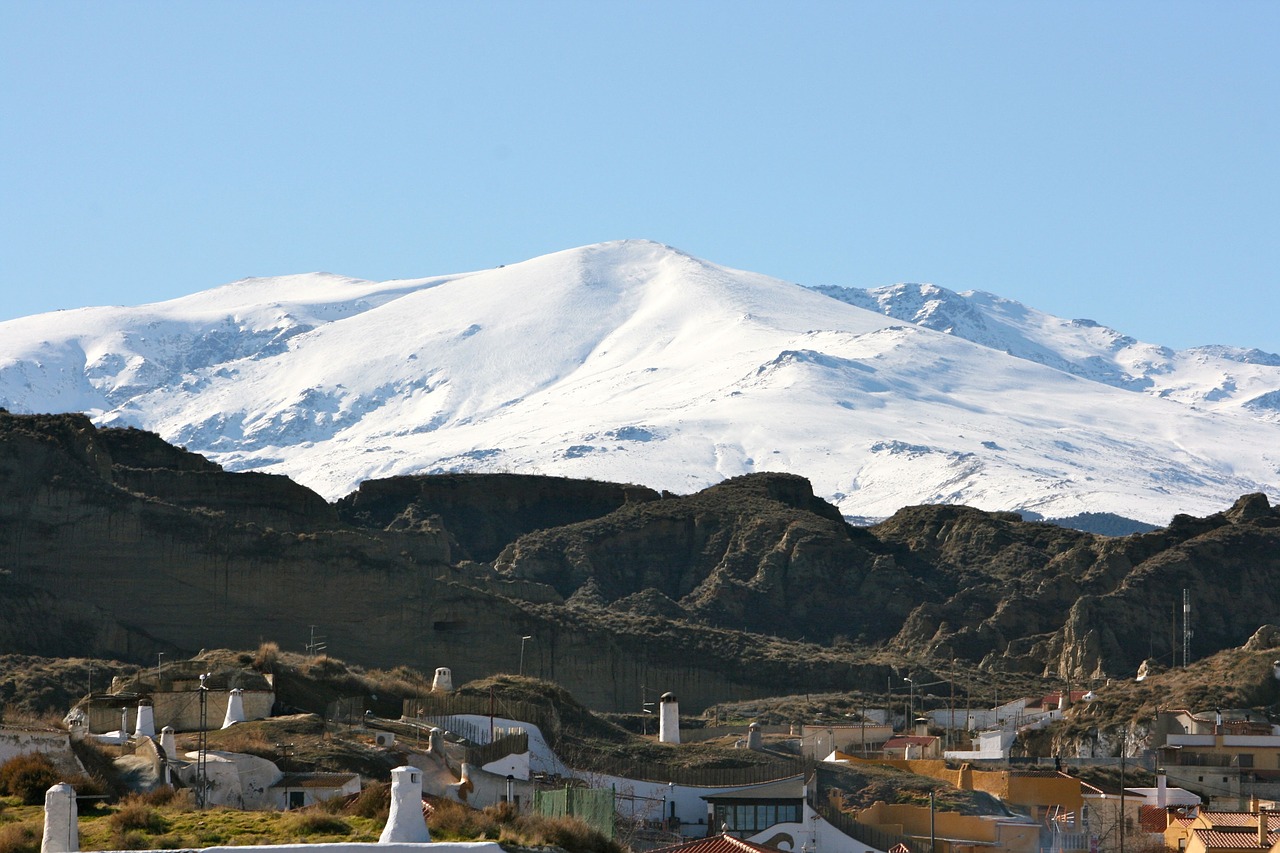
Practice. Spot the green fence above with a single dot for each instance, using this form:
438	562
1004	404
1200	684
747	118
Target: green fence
593	806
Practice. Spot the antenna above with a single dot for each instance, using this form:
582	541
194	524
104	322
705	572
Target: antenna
316	645
1186	627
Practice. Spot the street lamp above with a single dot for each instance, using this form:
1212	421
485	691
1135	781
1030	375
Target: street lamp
523	640
911	702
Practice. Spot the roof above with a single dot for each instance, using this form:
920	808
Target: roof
1153	818
1247	819
717	844
783	789
1172	796
914	740
314	780
1238	839
1050	700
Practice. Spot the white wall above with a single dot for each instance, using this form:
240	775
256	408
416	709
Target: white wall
814	835
15	741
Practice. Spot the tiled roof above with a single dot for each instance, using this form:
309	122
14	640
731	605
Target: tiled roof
717	844
1219	839
1153	818
1249	819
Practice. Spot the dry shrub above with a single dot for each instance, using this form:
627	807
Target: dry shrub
160	796
20	837
267	656
452	820
317	823
507	824
134	814
28	777
374	802
575	836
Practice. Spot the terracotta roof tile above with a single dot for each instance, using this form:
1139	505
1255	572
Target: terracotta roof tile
1249	819
717	844
1217	839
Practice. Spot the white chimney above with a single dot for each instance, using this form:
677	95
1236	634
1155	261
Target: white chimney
235	709
668	719
61	829
443	681
435	742
1275	669
145	724
124	725
405	824
754	739
1162	789
168	742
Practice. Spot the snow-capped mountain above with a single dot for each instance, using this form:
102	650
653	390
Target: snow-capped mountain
632	361
1218	378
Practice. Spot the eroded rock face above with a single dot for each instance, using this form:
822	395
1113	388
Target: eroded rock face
116	544
485	512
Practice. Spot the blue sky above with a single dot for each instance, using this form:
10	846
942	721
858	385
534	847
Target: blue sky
1116	161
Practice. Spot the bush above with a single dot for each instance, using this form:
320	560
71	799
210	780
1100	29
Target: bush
20	838
28	777
318	823
135	814
267	656
374	802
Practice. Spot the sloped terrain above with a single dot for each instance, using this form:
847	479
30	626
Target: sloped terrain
752	587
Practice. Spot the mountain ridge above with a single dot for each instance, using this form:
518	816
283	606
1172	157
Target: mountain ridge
632	361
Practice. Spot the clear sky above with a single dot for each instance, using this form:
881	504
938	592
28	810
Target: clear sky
1116	161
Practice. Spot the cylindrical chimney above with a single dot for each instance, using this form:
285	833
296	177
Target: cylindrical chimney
668	719
235	709
443	680
61	829
754	739
1162	789
145	724
405	824
168	742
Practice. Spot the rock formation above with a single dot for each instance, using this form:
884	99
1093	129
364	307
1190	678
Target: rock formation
114	543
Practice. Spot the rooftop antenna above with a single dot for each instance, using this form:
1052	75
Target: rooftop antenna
1186	627
316	645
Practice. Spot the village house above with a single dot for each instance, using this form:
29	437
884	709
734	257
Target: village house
1225	832
1227	757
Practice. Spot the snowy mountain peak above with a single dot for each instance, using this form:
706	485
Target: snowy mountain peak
633	361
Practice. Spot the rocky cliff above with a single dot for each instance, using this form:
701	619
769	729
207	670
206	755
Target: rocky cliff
113	543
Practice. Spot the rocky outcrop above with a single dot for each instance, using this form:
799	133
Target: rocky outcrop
484	512
114	544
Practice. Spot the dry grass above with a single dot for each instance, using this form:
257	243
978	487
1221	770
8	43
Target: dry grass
21	837
451	821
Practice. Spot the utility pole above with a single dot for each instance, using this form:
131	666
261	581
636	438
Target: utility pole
1186	627
202	741
1123	738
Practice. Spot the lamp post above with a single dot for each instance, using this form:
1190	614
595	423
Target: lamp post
523	640
911	703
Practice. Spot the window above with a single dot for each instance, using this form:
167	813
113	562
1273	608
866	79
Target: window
754	817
